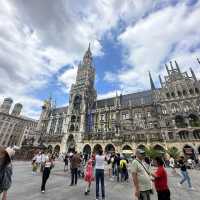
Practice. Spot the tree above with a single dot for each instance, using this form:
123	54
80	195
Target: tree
173	152
153	153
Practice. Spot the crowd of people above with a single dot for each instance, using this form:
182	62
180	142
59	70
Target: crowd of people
145	172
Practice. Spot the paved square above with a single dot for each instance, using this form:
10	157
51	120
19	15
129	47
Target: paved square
27	187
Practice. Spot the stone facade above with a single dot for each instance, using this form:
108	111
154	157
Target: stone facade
160	117
14	128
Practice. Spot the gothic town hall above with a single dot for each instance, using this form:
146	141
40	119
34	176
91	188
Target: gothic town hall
165	117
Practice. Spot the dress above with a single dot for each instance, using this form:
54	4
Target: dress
89	177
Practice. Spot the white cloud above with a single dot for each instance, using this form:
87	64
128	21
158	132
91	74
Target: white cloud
38	37
169	33
68	78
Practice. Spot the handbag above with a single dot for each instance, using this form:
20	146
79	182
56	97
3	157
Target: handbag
151	190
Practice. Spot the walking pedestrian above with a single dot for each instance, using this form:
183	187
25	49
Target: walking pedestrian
5	170
74	162
38	159
44	158
66	163
184	173
99	167
117	163
34	167
89	177
124	169
160	181
141	178
172	164
48	165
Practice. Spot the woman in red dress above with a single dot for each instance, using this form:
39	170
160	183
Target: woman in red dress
89	177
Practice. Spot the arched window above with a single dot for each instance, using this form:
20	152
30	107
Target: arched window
71	128
73	118
179	93
191	91
168	95
187	107
184	92
173	94
164	110
175	108
77	102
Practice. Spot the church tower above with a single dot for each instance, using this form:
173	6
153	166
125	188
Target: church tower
81	100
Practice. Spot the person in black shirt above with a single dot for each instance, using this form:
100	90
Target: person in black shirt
184	172
117	164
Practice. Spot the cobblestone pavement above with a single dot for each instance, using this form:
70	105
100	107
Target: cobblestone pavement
27	187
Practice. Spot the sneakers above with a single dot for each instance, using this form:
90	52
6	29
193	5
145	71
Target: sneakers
42	191
191	188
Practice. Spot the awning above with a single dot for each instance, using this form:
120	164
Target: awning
127	151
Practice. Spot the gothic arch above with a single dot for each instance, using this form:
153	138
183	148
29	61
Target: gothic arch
50	148
87	149
71	145
57	149
183	134
77	102
141	146
109	148
187	106
180	121
175	108
96	148
127	147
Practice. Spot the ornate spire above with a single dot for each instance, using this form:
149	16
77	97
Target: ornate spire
87	59
151	82
193	74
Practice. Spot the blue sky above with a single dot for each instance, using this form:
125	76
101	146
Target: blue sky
42	42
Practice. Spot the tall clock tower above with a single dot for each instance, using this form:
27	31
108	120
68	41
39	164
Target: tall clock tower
81	99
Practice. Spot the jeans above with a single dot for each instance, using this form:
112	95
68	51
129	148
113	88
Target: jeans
74	174
144	195
163	195
118	173
185	177
100	178
45	176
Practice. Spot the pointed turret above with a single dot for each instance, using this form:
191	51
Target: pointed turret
177	67
171	65
198	60
167	68
87	59
160	79
151	82
193	74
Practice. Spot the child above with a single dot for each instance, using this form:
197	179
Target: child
89	175
48	165
34	167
